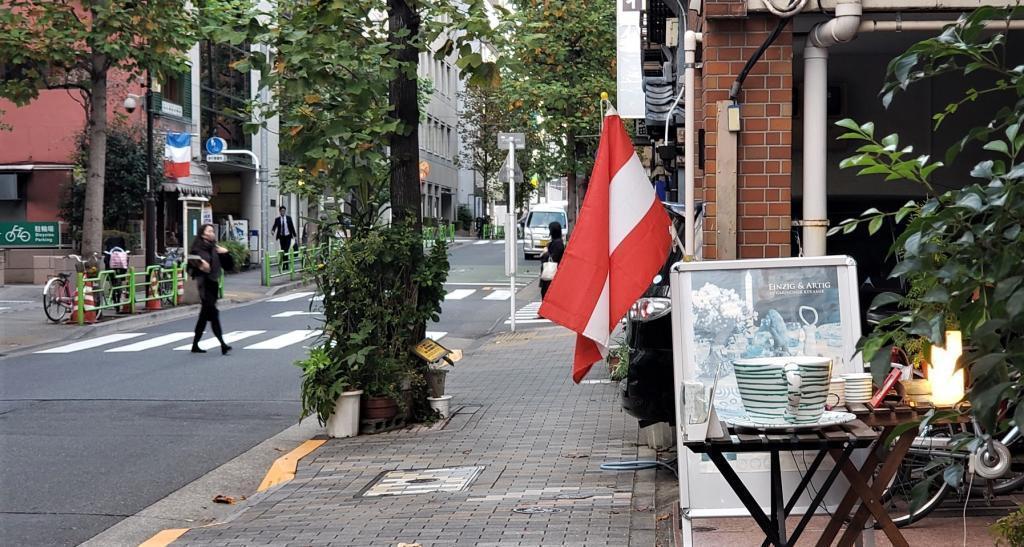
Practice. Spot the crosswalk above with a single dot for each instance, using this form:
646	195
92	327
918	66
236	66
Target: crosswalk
135	342
484	291
527	315
493	242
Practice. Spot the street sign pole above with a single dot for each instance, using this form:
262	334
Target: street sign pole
512	141
510	232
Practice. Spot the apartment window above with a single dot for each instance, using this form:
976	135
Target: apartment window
224	93
448	142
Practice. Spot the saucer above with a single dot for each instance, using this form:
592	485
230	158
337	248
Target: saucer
828	418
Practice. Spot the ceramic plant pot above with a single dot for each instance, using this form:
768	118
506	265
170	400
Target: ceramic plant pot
345	420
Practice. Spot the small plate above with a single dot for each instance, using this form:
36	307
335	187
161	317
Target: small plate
828	418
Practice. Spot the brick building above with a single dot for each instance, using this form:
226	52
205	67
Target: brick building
752	180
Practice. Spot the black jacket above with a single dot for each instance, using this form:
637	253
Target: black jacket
277	229
555	250
208	252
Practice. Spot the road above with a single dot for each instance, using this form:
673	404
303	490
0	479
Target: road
94	430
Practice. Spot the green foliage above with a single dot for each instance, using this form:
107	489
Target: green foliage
465	217
239	253
371	311
621	353
1009	530
126	181
557	64
961	250
323	381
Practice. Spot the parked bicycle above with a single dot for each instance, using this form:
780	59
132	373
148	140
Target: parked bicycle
60	294
989	463
167	282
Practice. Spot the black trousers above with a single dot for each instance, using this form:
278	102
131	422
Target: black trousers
544	288
286	245
208	312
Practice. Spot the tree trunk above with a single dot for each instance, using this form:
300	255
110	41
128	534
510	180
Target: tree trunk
92	218
405	183
572	193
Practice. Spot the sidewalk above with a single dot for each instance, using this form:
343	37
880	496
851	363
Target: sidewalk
526	439
25	325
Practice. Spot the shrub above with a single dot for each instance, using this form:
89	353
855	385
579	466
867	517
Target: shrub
239	254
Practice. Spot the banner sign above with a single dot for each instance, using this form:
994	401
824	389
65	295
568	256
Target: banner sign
29	234
629	61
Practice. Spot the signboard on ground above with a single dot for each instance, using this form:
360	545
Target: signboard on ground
29	234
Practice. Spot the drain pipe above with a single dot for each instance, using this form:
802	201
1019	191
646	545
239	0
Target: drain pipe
841	29
690	40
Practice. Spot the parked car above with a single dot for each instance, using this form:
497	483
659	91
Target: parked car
535	228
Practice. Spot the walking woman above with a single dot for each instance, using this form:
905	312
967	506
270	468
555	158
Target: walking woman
205	260
553	253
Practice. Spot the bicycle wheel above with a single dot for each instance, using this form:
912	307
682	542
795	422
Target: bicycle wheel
167	287
897	498
56	303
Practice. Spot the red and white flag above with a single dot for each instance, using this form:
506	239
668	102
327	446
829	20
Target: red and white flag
619	244
177	155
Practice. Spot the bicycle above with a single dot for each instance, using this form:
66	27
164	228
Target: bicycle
166	282
60	294
936	447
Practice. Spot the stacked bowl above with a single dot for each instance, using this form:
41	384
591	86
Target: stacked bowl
858	387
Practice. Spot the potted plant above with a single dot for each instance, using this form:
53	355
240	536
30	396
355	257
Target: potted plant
327	391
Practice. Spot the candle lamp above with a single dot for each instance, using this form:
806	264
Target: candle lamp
946	381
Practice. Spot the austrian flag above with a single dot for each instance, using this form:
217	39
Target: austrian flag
618	245
177	155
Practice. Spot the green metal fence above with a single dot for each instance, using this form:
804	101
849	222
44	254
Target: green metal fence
109	290
433	234
292	263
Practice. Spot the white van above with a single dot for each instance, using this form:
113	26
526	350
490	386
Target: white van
535	228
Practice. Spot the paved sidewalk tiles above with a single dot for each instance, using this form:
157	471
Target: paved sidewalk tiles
539	439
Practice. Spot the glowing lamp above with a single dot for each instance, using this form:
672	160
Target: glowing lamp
947	382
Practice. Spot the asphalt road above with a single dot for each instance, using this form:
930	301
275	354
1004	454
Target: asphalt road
94	430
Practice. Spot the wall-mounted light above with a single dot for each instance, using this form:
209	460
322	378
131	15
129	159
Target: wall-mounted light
947	382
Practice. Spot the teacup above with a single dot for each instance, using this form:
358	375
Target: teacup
777	389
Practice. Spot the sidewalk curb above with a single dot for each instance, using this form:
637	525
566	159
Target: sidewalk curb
281	471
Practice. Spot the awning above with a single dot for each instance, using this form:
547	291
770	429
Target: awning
197	185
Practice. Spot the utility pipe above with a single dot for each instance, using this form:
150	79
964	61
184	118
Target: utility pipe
838	30
911	26
690	40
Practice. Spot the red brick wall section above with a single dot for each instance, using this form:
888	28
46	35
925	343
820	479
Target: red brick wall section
764	155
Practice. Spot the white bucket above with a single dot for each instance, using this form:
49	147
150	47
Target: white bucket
441	404
345	420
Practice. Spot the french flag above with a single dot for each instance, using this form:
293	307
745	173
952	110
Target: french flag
177	155
619	244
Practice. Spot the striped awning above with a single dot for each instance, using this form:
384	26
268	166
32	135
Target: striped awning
197	185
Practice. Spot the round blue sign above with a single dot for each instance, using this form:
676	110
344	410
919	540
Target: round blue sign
214	145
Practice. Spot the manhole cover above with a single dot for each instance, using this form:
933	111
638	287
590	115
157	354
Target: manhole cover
422	481
537	509
574	496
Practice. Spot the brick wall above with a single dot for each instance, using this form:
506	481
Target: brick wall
764	154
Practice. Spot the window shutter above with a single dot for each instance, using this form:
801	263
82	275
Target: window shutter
185	81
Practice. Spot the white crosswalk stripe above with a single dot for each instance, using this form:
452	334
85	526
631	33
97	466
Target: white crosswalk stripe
436	335
93	343
292	296
286	339
482	242
229	337
317	298
153	342
500	294
294	313
459	294
527	315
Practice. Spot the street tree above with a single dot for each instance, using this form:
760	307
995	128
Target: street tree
343	77
76	46
560	60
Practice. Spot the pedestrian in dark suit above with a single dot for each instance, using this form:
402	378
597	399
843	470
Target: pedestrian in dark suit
284	231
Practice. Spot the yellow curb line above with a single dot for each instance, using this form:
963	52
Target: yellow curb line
282	470
164	537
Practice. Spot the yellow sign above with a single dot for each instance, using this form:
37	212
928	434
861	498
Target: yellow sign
430	351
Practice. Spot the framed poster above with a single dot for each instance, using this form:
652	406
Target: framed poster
732	309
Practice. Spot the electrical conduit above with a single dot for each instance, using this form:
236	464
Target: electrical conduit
690	40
